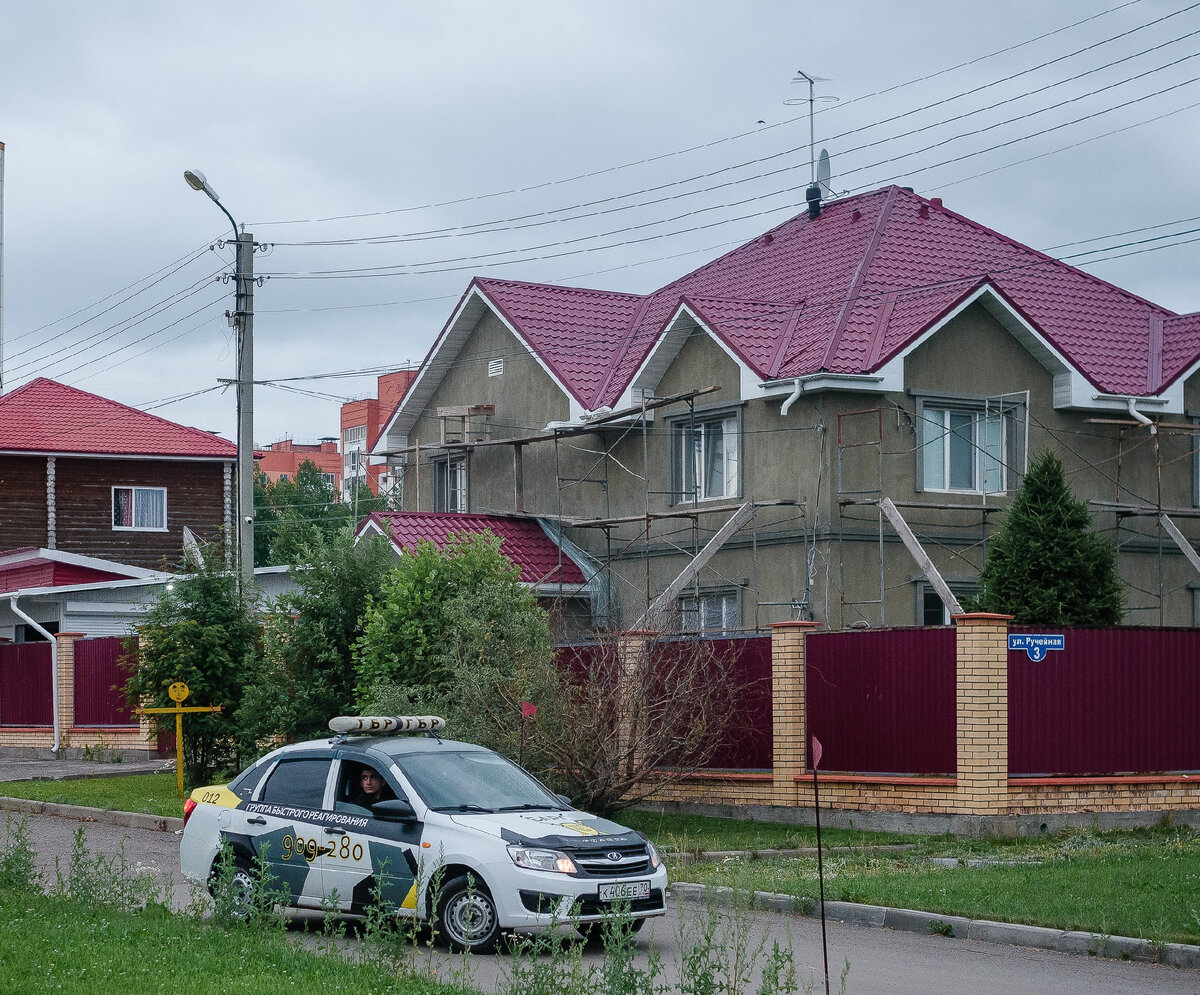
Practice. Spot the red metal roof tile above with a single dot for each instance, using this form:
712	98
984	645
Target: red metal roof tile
45	416
522	540
869	276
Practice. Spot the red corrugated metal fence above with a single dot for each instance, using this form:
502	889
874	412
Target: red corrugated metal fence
1111	701
883	701
25	684
99	678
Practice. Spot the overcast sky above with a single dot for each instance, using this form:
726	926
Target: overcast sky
615	145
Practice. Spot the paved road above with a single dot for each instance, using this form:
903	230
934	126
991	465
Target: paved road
881	960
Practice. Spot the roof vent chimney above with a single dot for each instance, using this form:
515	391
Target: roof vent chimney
813	196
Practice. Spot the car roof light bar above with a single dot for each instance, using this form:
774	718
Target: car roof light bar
385	725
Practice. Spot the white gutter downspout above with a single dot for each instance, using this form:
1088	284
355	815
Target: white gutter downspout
797	390
1131	404
49	637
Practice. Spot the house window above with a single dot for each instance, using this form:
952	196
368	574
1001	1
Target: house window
933	612
330	479
714	611
141	509
705	456
450	484
965	449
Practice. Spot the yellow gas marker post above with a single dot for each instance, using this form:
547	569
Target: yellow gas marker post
178	692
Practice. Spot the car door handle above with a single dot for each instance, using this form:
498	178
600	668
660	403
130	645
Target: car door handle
334	831
258	820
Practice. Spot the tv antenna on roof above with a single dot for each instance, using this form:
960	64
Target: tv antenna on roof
812	81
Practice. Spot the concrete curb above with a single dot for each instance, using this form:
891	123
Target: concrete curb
957	927
80	813
711	856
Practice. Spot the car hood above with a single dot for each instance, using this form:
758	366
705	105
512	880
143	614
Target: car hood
549	829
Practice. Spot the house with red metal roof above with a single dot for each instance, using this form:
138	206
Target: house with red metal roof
90	477
549	568
826	422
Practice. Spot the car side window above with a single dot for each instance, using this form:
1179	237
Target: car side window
244	784
299	782
349	796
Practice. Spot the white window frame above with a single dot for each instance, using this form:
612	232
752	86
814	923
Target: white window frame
496	367
694	447
988	429
698	612
450	484
133	497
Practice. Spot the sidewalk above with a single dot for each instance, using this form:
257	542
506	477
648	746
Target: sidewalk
52	769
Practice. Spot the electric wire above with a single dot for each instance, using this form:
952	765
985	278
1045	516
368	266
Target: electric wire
592	174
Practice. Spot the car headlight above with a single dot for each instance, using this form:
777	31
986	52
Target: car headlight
655	859
537	859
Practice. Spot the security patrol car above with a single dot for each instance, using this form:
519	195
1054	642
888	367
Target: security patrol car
458	834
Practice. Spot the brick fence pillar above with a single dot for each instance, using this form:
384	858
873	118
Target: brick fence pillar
789	751
633	662
982	646
64	666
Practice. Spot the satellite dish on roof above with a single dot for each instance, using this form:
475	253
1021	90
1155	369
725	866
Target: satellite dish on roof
823	174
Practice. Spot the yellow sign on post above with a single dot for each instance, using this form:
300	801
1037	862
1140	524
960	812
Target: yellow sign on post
178	692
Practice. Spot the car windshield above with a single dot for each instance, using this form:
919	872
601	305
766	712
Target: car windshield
474	781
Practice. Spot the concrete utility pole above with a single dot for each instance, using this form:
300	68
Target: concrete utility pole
241	319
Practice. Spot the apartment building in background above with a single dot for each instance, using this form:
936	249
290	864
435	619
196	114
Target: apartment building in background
284	458
362	423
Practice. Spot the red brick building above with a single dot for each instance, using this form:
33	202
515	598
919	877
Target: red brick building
362	422
283	459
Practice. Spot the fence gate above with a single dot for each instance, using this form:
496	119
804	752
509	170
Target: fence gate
25	684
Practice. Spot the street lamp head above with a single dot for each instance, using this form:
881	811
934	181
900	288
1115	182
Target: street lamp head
195	180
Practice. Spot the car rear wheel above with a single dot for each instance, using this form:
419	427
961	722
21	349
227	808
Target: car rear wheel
238	891
466	916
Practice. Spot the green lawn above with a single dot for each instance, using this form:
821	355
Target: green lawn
692	833
49	944
1126	884
154	794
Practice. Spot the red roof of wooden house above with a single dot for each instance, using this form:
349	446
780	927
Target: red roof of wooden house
45	416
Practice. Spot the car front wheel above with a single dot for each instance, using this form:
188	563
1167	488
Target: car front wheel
466	916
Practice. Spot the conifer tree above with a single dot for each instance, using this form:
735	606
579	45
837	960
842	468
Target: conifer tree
1045	565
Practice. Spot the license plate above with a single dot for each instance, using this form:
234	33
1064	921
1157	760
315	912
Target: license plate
624	891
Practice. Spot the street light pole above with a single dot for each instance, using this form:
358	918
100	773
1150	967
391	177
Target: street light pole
242	319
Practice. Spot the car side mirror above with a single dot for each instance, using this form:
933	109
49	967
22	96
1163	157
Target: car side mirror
565	800
394	810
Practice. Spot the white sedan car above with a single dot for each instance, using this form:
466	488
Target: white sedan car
458	835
